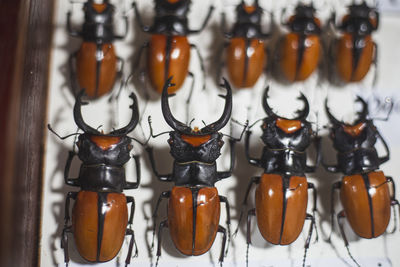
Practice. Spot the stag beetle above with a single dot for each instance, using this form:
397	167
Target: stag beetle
355	50
300	49
100	215
281	195
364	190
245	53
169	49
94	65
194	203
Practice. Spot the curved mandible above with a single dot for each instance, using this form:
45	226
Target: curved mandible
302	114
332	119
78	114
134	119
226	114
266	106
362	115
169	118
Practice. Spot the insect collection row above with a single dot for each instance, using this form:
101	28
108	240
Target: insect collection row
281	195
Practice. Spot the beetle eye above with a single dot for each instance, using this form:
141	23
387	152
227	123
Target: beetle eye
130	147
170	141
264	126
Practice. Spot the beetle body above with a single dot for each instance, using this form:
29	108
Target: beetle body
193	218
281	195
300	49
95	65
100	214
364	190
194	203
169	49
245	52
355	51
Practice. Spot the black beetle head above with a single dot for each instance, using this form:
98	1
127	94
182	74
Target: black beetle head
178	8
185	129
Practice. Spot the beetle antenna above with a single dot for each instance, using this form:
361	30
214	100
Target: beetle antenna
245	125
204	122
254	123
190	123
151	130
61	137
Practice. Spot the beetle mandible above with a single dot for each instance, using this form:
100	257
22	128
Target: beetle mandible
281	195
100	214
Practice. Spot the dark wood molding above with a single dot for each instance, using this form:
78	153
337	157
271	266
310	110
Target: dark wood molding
26	34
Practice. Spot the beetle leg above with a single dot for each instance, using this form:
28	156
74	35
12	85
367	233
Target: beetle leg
130	185
335	186
340	217
308	240
67	180
64	242
222	230
139	19
67	203
312	187
255	179
119	77
394	202
375	62
250	159
159	235
72	73
165	194
226	174
317	144
161	177
201	64
130	199
131	243
228	219
250	213
210	11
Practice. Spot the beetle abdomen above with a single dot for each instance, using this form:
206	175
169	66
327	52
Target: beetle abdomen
354	57
245	61
96	68
281	210
99	223
168	56
366	202
190	238
299	56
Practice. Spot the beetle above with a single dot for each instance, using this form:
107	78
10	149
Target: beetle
168	51
281	195
245	52
299	51
95	65
354	51
364	189
193	202
100	214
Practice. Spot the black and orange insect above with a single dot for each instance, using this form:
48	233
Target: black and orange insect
299	51
246	54
364	189
96	66
281	195
100	219
168	51
193	202
354	51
